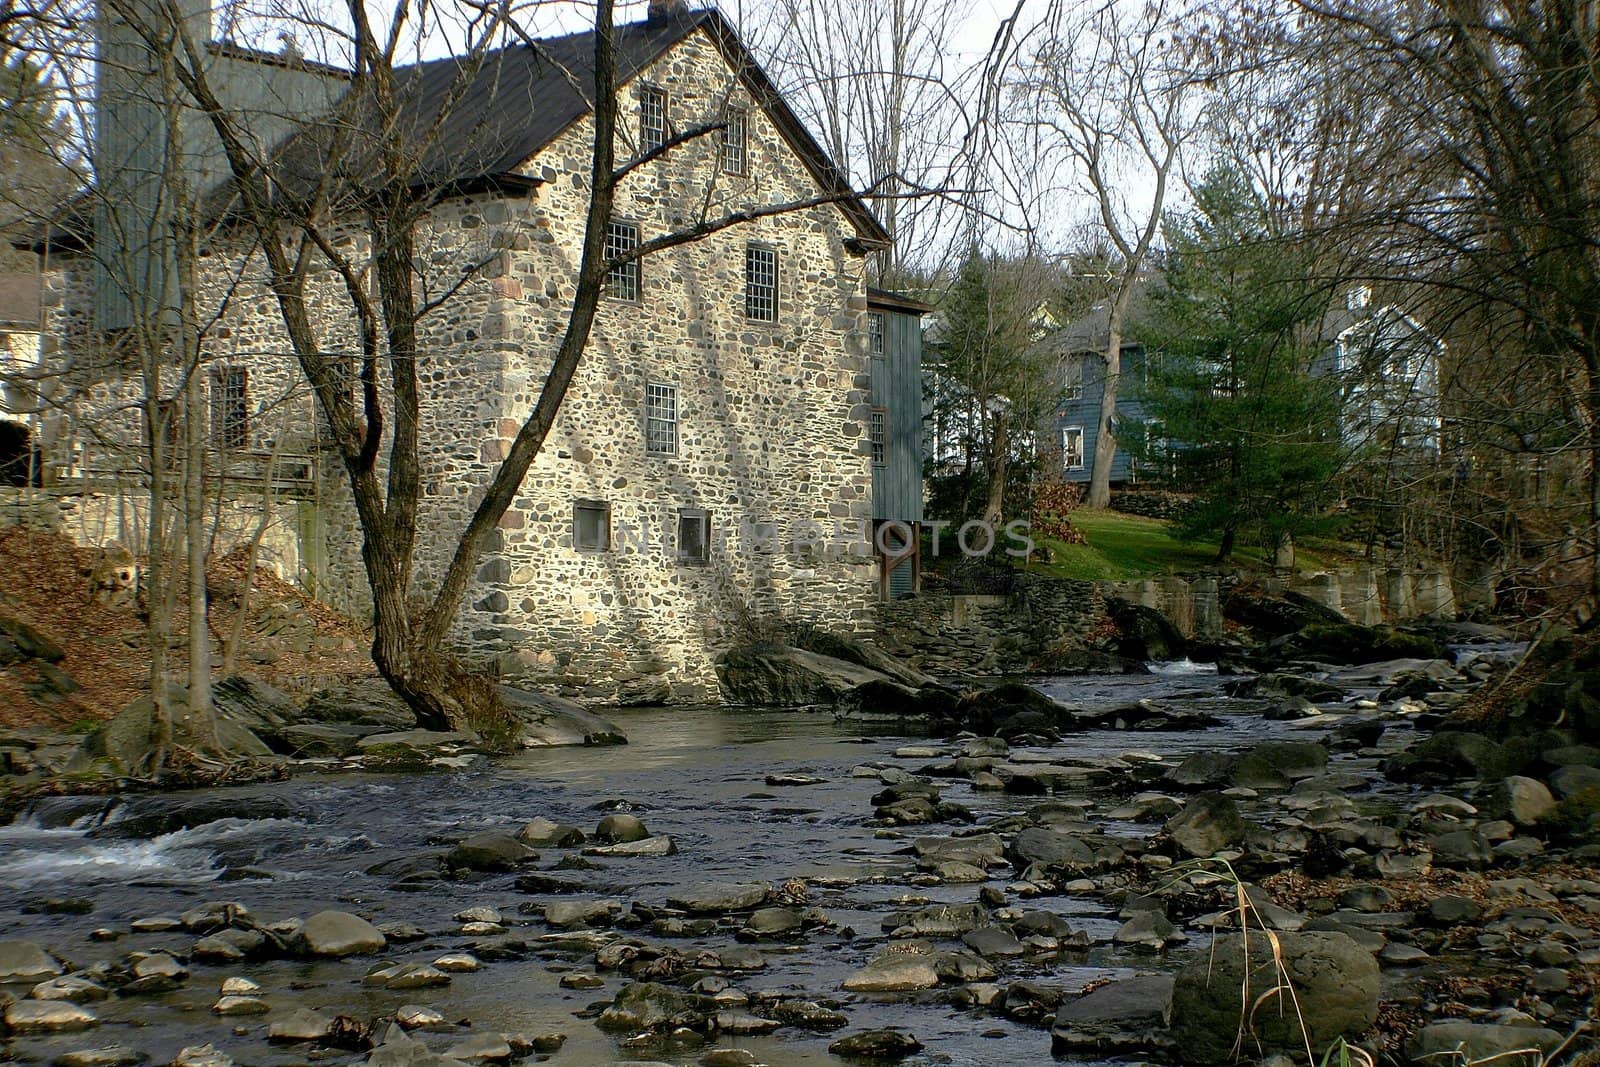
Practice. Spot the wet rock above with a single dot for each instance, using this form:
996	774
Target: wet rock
894	972
1050	849
417	1017
1029	1002
240	1005
743	1023
564	914
542	833
1335	982
238	986
335	934
880	1045
107	1056
1446	756
207	1055
322	741
644	1005
1149	930
772	674
1523	800
650	846
774	922
47	1016
300	1025
155	972
402	976
938	921
548	1043
1202	770
481	1048
489	851
544	721
1461	849
1505	1046
458	963
620	827
794	779
70	987
991	941
1126	1016
719	898
729	1057
1207	824
24	961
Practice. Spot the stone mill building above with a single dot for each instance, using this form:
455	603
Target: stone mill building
744	414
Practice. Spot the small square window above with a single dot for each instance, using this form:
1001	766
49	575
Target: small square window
880	436
694	535
591	526
622	281
661	418
734	137
652	118
230	409
875	332
761	283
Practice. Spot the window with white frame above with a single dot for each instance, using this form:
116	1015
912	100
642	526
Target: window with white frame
1075	369
761	283
694	535
661	418
1072	448
734	137
622	281
591	525
879	436
875	332
652	118
230	408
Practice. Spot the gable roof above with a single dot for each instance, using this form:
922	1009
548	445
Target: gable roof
521	98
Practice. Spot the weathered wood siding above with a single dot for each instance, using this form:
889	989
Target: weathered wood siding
897	388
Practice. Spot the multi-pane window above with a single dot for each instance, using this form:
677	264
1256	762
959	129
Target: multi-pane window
879	435
661	418
591	525
230	408
652	118
734	136
694	535
1072	448
875	332
761	283
622	281
1075	370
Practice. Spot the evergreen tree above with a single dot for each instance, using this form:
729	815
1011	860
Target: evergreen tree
1234	332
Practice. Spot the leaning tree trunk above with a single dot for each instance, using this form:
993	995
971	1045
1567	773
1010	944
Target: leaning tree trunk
999	446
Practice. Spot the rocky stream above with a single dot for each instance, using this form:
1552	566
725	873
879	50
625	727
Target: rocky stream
764	886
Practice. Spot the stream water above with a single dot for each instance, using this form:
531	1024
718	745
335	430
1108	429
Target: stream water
696	774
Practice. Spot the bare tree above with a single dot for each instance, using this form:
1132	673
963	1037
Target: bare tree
1113	102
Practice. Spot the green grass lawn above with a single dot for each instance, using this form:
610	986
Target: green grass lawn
1127	546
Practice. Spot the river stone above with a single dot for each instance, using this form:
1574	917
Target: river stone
109	1056
71	987
1335	982
566	913
335	934
545	720
491	850
773	922
1462	849
729	1057
1124	1016
1449	909
992	941
778	675
1202	770
402	976
1527	800
743	1023
1454	1042
1149	929
458	963
240	1005
717	898
417	1016
880	1045
619	828
642	1005
229	946
894	972
650	846
542	833
481	1047
937	920
311	740
302	1024
122	743
24	961
47	1016
207	1055
1050	849
1207	824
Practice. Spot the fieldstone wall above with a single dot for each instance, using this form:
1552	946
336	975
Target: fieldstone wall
1041	626
772	417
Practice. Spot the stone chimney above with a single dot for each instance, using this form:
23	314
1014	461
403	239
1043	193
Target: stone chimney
661	11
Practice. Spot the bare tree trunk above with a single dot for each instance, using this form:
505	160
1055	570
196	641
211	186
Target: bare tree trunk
999	447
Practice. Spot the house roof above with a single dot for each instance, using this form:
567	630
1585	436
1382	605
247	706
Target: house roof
892	301
522	97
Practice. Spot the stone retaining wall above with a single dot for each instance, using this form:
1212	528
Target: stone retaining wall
1036	628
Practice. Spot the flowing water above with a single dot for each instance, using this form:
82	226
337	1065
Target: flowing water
696	774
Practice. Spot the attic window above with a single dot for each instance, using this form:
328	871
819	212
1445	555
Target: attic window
734	136
652	118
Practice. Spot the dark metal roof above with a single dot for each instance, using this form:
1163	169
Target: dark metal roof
892	301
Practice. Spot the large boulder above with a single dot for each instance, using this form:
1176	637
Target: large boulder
1207	824
1125	1016
544	721
862	653
122	744
1277	616
1335	984
369	702
1143	632
257	706
335	934
1464	1042
770	674
1349	643
24	961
